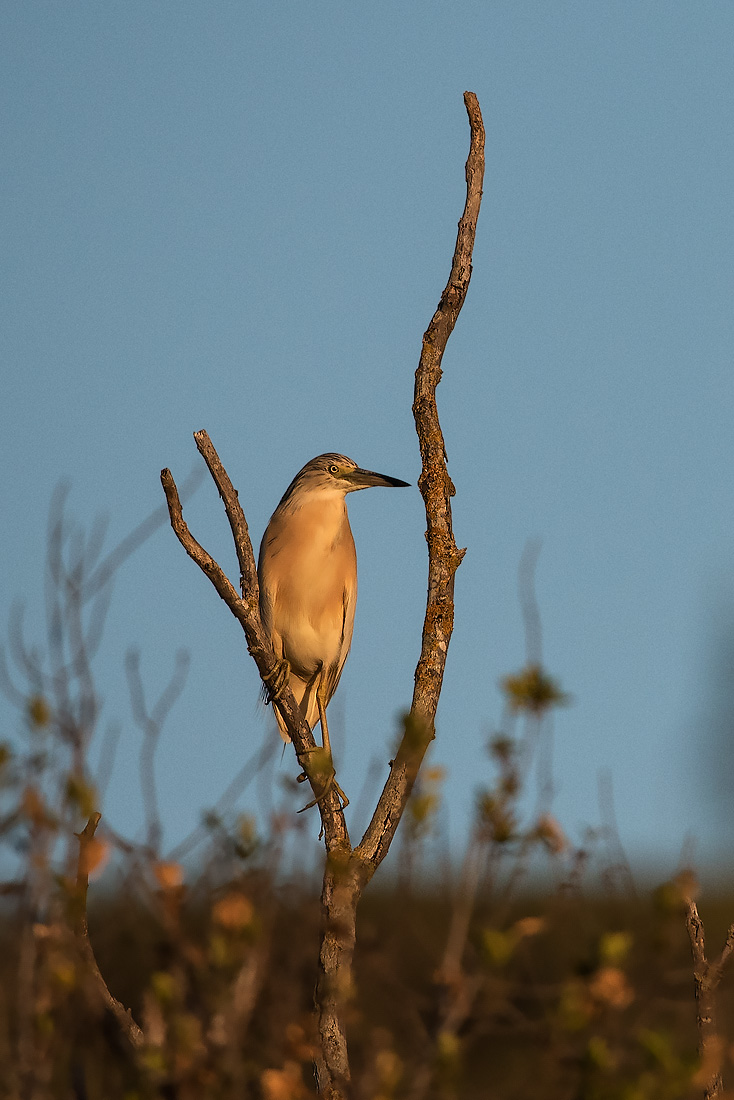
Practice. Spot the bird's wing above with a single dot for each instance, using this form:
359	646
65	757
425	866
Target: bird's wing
266	616
334	671
267	602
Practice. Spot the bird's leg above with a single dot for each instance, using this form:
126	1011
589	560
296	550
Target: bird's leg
327	743
331	778
276	680
330	782
321	703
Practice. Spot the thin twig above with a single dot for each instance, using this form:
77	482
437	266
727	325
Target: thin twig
135	539
107	754
529	602
718	966
610	832
252	766
151	724
237	522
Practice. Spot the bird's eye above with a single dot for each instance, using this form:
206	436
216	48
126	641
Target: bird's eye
333	469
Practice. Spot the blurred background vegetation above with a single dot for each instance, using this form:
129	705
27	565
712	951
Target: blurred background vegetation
530	966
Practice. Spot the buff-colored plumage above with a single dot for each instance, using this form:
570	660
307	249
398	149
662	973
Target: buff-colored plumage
308	579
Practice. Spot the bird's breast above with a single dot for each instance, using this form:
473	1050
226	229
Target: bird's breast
308	571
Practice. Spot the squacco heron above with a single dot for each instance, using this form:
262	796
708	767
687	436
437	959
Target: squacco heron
308	583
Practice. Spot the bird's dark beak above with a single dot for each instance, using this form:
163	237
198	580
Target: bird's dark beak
367	479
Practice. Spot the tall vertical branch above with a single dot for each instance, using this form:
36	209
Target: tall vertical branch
435	484
437	489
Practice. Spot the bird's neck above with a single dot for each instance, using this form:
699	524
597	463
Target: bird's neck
328	501
322	515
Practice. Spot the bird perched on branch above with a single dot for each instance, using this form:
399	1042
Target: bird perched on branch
308	583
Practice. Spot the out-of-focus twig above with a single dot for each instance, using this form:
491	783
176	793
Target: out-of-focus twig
127	1025
151	723
529	602
140	534
236	786
610	833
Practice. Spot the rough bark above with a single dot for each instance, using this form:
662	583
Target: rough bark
340	894
437	489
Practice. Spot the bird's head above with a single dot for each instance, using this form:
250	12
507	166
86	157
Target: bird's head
335	474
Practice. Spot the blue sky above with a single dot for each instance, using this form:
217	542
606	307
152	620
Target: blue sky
240	217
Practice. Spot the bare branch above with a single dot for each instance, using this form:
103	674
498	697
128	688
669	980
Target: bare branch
694	927
529	602
95	540
27	661
236	604
151	724
437	489
610	832
249	770
10	691
718	966
107	754
135	539
237	522
123	1016
706	977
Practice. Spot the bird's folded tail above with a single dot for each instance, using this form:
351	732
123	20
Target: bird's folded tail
305	696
